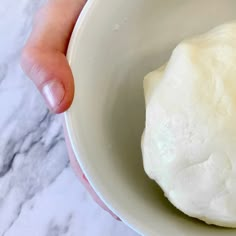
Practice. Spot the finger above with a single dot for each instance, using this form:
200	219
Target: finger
43	58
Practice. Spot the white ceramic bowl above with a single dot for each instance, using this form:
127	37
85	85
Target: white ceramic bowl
114	44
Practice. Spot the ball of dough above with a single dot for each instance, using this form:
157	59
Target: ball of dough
189	142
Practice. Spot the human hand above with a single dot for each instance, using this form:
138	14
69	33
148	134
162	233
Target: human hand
43	58
44	61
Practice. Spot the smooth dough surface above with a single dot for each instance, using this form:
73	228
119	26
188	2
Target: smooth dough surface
189	142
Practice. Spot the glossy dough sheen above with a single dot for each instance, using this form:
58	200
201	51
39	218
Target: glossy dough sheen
189	143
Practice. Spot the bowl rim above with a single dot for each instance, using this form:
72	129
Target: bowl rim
129	220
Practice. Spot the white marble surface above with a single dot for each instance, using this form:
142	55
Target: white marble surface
39	193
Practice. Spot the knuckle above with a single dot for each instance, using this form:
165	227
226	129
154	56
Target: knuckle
30	62
25	58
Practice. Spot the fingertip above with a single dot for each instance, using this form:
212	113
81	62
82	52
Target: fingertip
57	98
54	93
63	104
51	73
58	90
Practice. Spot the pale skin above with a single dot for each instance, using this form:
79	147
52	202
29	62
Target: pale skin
44	61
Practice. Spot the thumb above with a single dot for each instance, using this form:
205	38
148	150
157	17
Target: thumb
43	57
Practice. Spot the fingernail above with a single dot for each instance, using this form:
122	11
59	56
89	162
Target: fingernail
54	93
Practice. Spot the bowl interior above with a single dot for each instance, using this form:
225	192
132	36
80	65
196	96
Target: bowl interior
114	45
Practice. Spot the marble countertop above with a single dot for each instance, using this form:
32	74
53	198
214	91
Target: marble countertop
39	193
